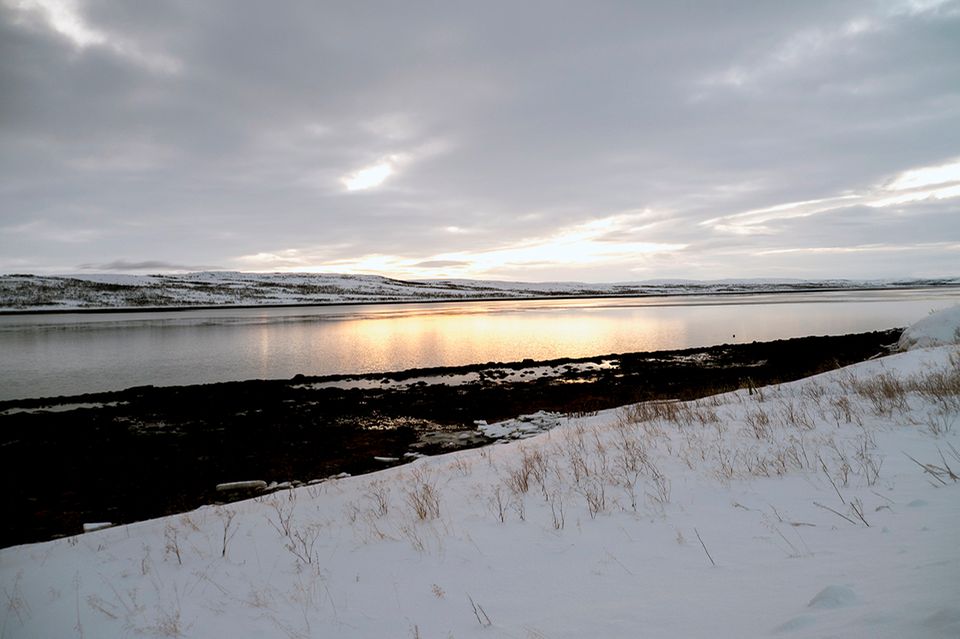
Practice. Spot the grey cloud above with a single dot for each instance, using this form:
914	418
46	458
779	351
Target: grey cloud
548	116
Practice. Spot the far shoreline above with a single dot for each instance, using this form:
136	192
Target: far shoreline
100	310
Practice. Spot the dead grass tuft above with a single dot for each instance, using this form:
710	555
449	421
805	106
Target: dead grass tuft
423	496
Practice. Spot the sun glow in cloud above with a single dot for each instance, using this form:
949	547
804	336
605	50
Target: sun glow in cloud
586	245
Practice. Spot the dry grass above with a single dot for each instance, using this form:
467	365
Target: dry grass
667	411
423	496
378	492
938	472
886	393
889	394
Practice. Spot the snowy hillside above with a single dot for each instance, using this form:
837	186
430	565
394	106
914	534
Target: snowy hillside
824	507
230	288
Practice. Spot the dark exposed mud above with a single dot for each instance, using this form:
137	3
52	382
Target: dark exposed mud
146	452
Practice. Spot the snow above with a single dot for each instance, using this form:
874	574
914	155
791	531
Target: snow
833	597
935	330
61	408
497	374
829	507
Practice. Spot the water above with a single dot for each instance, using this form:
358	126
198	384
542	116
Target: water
72	353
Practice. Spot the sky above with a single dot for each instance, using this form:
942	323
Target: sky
539	141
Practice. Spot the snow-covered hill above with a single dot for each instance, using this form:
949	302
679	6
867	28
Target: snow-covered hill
823	507
36	292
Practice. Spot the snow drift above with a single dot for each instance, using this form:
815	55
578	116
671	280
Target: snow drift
940	328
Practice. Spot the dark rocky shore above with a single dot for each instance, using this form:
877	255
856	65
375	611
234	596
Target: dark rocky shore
145	452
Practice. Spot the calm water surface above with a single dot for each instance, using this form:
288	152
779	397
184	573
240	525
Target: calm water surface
72	353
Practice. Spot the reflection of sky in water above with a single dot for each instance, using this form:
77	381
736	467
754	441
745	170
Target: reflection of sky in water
73	353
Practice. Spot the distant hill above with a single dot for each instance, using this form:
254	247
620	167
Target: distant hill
225	288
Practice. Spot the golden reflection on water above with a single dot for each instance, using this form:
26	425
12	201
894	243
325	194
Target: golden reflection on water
394	338
462	338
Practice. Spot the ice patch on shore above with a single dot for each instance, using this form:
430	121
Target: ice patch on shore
522	427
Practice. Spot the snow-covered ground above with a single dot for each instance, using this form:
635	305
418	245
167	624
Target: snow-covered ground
36	292
827	507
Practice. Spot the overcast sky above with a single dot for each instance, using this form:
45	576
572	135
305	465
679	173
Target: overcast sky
593	140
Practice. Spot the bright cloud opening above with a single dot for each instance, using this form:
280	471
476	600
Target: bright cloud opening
917	196
369	177
926	176
929	183
65	18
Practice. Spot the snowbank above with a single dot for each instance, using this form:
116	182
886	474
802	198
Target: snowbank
938	329
823	507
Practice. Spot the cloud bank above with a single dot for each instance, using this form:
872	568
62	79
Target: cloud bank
575	140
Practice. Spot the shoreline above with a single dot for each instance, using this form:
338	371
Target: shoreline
454	300
149	451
